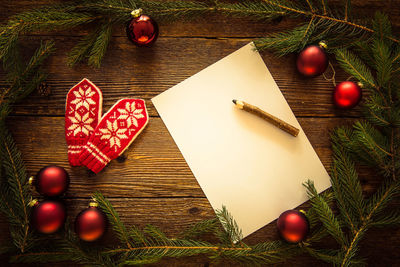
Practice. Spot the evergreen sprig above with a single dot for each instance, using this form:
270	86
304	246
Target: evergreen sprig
372	142
14	191
150	244
336	27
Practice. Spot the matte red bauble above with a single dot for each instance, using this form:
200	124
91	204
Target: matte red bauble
347	95
312	61
48	216
142	30
90	224
51	181
293	226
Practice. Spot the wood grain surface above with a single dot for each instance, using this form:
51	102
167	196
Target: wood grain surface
154	184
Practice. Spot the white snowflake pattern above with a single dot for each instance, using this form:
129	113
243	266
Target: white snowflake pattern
83	98
81	124
130	114
113	134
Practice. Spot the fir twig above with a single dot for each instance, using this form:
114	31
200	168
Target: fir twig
325	214
100	45
113	217
14	172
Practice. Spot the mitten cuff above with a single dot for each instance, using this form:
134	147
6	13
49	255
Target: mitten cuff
75	147
93	157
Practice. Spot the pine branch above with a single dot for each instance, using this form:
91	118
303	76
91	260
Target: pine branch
333	256
312	215
200	228
383	62
57	17
232	233
270	252
325	214
80	51
295	9
351	250
354	66
17	183
286	42
100	45
137	236
387	191
177	10
376	111
382	28
373	147
347	9
26	80
346	186
113	217
392	218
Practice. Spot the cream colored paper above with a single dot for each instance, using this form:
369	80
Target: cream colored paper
241	161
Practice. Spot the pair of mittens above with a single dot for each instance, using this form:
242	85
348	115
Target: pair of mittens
93	141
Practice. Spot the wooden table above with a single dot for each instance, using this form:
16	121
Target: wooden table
154	184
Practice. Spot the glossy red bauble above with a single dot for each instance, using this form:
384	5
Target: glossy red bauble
347	95
90	224
48	216
312	61
51	181
142	31
293	226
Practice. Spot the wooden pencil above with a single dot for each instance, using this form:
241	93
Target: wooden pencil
268	117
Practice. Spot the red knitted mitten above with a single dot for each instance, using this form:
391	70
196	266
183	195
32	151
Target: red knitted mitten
115	132
82	114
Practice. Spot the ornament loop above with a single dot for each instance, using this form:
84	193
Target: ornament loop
137	12
333	75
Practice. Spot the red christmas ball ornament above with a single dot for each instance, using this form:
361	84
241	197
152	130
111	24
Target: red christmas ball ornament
312	61
347	95
51	181
293	226
48	216
91	223
142	30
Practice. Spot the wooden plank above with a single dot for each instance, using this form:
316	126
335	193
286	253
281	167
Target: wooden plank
217	25
154	166
145	72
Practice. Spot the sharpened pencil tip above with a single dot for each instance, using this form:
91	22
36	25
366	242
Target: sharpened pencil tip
234	101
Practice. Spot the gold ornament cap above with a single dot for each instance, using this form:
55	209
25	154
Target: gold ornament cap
322	44
360	84
33	202
31	180
93	204
137	12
